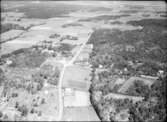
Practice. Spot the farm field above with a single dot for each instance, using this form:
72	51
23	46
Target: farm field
79	114
77	77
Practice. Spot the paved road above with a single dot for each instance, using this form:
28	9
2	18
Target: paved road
61	79
60	94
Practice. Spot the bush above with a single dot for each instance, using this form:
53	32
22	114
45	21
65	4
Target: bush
39	113
32	110
23	109
1	114
138	89
35	104
54	35
14	94
16	105
39	86
2	76
43	101
65	47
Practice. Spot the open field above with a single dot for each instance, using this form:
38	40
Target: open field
79	114
77	98
10	35
77	77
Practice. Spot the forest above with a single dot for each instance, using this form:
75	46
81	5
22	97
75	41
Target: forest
123	54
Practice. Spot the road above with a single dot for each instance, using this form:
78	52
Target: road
66	64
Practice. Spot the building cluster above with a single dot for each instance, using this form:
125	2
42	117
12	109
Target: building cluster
68	37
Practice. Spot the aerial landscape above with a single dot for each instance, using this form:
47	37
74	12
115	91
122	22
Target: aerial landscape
83	60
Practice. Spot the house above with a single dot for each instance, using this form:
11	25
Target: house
161	73
130	48
9	62
68	91
100	66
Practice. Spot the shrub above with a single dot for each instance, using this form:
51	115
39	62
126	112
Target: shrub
14	94
35	104
39	113
16	105
1	114
23	109
39	86
32	110
43	101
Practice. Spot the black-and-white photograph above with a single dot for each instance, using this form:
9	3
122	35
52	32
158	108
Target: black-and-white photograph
83	60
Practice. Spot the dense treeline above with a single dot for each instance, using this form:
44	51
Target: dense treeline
153	108
122	54
21	63
8	26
